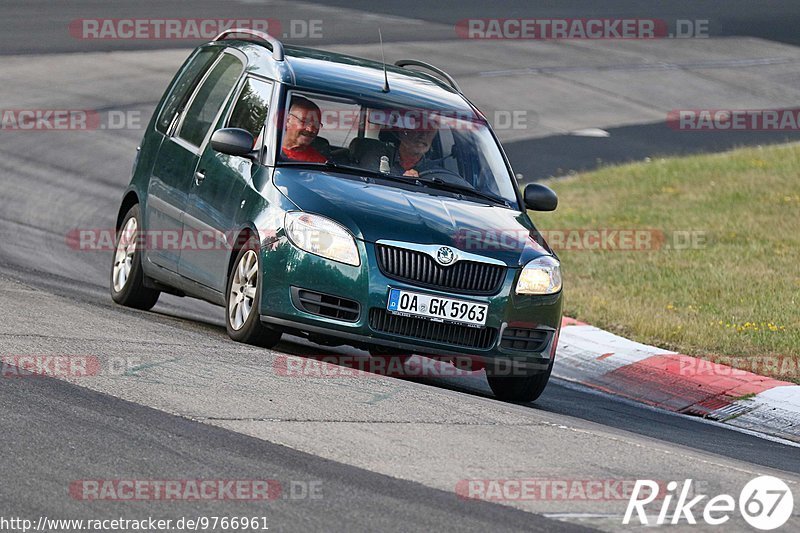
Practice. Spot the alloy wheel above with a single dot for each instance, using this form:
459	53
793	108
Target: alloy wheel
243	290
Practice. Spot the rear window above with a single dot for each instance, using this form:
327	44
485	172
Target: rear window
209	99
183	86
250	111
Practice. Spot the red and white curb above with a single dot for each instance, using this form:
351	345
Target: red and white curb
680	383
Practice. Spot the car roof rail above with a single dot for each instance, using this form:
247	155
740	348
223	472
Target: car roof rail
260	36
416	63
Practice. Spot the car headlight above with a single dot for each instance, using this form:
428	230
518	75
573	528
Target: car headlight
540	276
322	236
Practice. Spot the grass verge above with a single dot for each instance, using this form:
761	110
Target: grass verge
720	275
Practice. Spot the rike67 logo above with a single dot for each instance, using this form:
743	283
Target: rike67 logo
765	503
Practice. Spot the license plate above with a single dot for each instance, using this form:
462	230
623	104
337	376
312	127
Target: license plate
437	308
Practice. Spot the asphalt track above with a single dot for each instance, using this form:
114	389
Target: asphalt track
388	453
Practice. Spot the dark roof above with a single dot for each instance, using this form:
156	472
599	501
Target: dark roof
350	76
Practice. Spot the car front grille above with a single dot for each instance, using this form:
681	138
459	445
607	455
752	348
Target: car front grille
326	305
525	339
427	330
419	268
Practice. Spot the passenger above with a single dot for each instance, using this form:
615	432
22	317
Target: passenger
411	156
302	127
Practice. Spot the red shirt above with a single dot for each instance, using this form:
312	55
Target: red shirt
408	163
307	153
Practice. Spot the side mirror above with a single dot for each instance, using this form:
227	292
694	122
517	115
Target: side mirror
539	197
233	141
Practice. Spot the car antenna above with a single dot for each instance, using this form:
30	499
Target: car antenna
383	58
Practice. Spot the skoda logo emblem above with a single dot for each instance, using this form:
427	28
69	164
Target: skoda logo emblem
445	255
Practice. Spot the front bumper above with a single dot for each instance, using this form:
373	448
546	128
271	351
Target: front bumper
286	267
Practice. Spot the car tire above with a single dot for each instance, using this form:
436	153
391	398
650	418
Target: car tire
243	300
520	389
127	277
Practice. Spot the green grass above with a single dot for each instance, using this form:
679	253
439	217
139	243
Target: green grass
738	294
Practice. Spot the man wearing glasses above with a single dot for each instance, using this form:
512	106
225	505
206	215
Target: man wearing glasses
411	157
302	127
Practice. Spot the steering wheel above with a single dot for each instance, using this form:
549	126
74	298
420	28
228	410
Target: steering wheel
441	170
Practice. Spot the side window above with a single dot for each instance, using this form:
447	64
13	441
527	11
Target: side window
339	121
183	85
251	109
209	99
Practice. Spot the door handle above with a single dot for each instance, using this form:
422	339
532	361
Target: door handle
199	176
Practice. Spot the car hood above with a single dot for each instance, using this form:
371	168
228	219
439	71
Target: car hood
375	212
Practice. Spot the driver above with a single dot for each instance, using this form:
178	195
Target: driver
411	156
302	127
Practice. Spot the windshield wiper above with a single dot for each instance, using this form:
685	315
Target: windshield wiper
436	183
363	172
439	183
329	164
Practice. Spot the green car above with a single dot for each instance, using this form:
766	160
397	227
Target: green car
345	200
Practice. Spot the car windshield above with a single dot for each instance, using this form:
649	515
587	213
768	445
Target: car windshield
443	152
